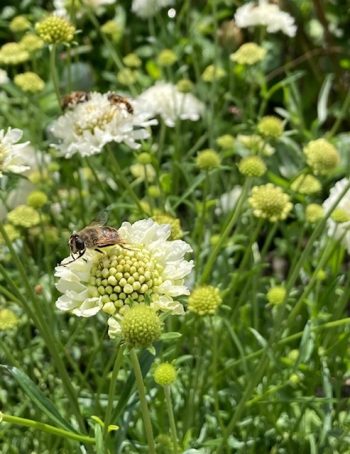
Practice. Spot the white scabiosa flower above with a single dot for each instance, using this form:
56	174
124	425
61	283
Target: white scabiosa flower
61	7
339	223
12	157
266	14
166	100
88	126
149	270
148	8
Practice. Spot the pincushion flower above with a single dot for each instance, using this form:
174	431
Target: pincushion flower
89	126
148	8
339	230
149	270
12	158
269	15
166	100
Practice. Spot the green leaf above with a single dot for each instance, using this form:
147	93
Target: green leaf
170	336
322	110
99	440
37	397
262	341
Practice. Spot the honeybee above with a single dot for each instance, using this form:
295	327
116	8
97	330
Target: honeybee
95	236
113	98
74	98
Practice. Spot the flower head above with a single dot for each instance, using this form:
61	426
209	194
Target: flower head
248	54
204	300
321	156
306	184
167	57
143	172
276	295
212	73
141	326
13	54
256	144
166	100
270	202
148	8
269	15
132	60
338	225
226	141
54	29
270	126
31	42
8	320
149	270
164	374
29	82
37	199
19	24
90	125
24	216
208	159
12	158
314	212
252	166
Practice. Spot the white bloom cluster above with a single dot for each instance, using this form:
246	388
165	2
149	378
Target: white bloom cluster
151	270
148	8
89	126
166	100
335	229
269	15
12	158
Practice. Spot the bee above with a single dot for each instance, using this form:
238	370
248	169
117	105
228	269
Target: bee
115	99
95	236
74	98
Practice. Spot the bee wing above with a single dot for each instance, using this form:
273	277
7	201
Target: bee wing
107	236
100	220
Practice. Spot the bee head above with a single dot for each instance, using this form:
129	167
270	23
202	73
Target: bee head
76	243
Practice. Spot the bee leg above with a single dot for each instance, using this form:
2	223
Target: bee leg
99	250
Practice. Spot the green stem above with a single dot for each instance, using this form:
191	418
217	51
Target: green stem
46	428
225	233
54	76
169	408
112	386
48	336
124	181
143	402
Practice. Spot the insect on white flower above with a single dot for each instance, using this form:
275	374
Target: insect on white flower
88	126
151	270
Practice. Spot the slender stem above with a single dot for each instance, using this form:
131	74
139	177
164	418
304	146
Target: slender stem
46	428
143	402
53	71
225	233
112	386
48	336
169	408
124	181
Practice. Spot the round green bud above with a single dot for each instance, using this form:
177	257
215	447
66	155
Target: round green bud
270	126
166	57
252	166
276	295
208	159
339	215
313	213
248	54
321	156
37	199
141	326
270	202
164	374
204	300
306	184
55	30
29	82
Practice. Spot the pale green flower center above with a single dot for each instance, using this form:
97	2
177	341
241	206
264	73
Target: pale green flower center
124	277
